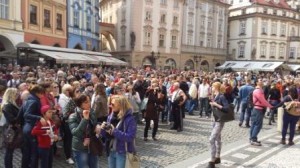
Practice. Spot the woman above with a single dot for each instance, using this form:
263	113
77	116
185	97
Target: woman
82	124
100	105
274	99
120	128
10	112
134	99
288	119
32	114
151	112
220	102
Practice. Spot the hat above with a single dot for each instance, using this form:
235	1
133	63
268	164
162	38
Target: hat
45	108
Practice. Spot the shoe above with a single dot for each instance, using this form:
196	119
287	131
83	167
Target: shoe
211	165
179	130
154	139
172	128
217	161
291	143
270	123
70	161
255	143
248	126
240	124
282	142
145	139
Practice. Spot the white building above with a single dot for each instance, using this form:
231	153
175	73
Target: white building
143	30
264	30
204	37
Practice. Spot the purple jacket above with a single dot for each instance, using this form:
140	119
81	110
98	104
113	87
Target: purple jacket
122	135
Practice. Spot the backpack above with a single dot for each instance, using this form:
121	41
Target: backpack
250	102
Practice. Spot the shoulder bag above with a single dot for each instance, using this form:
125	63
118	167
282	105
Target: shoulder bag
292	108
132	159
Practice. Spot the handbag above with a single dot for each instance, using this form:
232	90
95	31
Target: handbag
222	116
132	159
96	146
13	136
292	108
144	103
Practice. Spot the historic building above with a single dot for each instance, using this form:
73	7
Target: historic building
11	31
44	22
264	30
83	24
204	37
143	32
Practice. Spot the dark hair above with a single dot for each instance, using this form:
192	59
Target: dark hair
100	89
293	92
36	89
45	85
81	99
89	84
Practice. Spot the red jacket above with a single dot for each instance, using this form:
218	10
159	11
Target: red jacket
44	140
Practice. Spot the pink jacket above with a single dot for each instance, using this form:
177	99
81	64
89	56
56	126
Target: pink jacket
259	100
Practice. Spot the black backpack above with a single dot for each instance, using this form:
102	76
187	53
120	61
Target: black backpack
250	102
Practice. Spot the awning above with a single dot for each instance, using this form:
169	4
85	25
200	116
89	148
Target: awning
72	56
294	67
253	66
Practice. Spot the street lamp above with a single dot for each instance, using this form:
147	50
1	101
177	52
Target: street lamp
197	59
155	57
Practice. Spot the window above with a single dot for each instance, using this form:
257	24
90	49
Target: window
264	27
59	21
241	51
4	11
209	24
163	2
88	23
175	20
174	42
110	19
176	4
33	14
219	43
274	28
191	20
148	15
88	45
265	10
161	40
47	18
190	39
208	43
203	22
282	29
123	15
191	3
147	38
76	18
163	18
243	27
220	12
292	52
281	51
123	38
220	26
263	50
273	51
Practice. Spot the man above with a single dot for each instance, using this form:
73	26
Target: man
178	99
83	84
204	93
243	94
15	81
259	102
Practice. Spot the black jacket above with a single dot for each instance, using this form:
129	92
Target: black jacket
11	112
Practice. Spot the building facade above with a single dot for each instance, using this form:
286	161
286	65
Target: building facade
44	22
204	37
83	24
264	30
11	31
146	32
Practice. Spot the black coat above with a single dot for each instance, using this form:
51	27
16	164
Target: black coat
10	113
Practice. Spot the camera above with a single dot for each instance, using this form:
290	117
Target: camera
107	127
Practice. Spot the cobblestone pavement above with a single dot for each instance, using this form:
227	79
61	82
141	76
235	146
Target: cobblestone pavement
171	147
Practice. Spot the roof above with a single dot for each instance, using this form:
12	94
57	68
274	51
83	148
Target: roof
253	66
272	3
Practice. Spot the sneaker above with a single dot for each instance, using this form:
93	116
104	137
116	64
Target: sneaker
70	161
240	124
282	142
255	143
217	161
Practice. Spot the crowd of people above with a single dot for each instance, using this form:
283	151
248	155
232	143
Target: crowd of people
96	111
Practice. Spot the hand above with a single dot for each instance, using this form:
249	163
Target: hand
43	121
86	114
55	138
98	129
213	104
111	130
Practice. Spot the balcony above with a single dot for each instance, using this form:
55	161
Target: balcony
294	38
203	50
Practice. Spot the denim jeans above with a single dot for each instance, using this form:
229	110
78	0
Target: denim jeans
30	148
245	113
289	120
8	159
204	105
273	111
192	106
256	123
169	110
84	159
46	157
116	160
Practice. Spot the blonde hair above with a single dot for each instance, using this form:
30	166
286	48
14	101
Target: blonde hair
218	86
65	88
9	96
124	104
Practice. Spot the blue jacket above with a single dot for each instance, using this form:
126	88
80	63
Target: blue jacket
122	135
244	92
32	110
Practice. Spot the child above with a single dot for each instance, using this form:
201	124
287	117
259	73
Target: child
46	135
